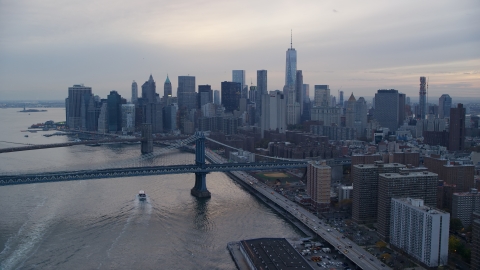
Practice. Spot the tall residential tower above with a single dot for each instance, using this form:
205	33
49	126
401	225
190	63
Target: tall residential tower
423	98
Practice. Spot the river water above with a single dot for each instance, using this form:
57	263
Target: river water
99	224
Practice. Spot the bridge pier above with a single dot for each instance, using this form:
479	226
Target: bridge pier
200	189
147	138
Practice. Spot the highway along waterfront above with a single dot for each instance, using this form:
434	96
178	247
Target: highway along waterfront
342	245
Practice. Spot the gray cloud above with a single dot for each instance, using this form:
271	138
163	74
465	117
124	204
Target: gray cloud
49	45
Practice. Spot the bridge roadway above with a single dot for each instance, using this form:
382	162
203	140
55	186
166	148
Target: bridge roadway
356	254
142	171
54	145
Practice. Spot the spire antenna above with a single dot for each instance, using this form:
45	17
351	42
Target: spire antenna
291	39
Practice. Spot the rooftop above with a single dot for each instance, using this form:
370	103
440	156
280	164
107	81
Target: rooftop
273	253
407	174
472	192
418	203
379	164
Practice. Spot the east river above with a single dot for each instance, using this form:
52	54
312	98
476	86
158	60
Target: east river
99	224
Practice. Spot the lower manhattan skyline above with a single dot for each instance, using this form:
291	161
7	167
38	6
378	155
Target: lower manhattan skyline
356	47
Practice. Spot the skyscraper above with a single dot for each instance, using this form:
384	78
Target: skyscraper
76	96
299	89
402	98
306	102
252	94
350	112
294	100
239	77
361	116
151	109
261	90
273	112
170	118
456	140
423	98
186	93
149	90
231	94
114	106
103	118
205	95
291	66
134	92
321	96
444	105
341	99
387	108
216	97
306	93
128	117
167	88
92	112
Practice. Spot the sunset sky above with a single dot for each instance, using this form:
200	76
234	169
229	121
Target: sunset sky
356	46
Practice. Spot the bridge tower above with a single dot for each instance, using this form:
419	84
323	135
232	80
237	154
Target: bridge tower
147	138
200	188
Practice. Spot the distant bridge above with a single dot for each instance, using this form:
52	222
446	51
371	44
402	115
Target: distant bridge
85	142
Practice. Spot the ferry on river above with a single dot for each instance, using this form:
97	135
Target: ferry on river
142	196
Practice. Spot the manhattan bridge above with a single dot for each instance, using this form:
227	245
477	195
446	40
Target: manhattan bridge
129	168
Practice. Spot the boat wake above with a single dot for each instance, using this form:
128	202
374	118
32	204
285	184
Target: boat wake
140	215
22	245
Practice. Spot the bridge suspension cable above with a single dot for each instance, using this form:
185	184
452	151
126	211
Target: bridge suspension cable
132	162
138	160
231	147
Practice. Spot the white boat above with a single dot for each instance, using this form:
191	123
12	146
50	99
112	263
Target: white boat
142	196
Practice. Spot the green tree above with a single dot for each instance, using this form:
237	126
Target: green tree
386	256
381	245
454	244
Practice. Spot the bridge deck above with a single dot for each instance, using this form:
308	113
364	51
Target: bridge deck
142	171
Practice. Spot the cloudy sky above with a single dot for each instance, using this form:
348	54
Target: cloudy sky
357	46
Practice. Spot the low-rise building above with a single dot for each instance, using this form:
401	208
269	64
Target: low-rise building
345	192
242	156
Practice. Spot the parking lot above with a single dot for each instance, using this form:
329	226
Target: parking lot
320	254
